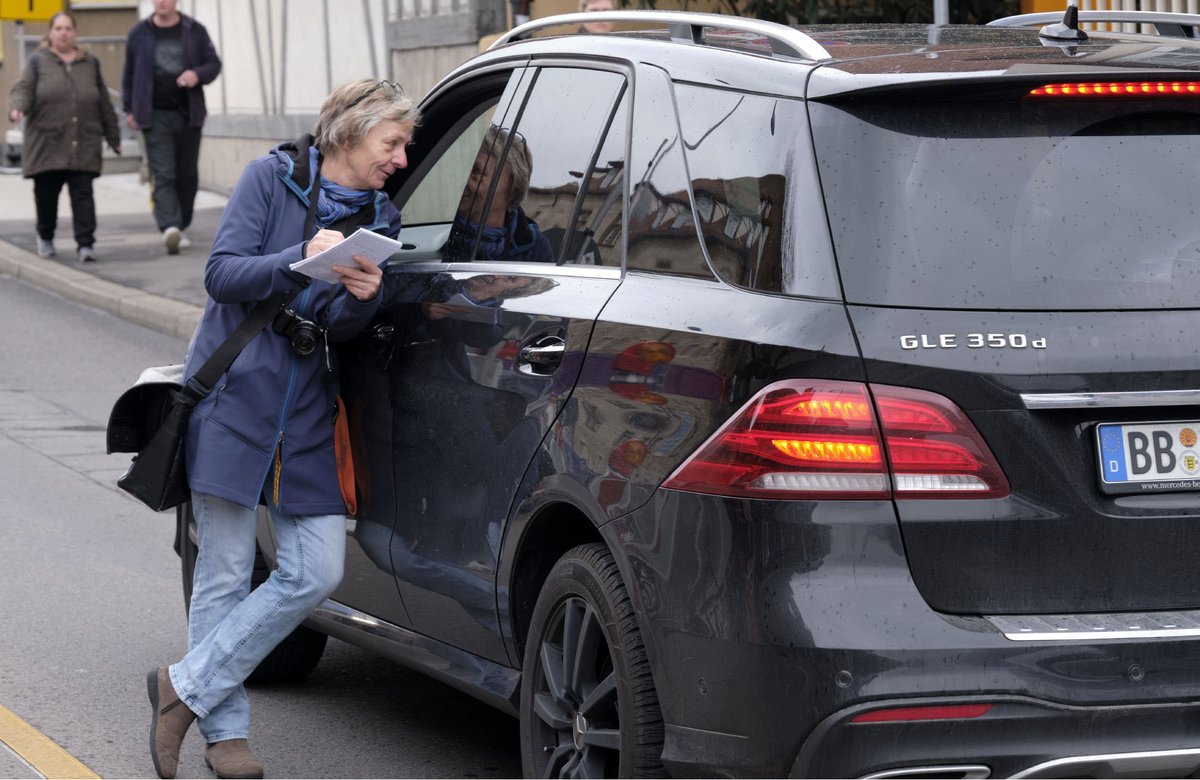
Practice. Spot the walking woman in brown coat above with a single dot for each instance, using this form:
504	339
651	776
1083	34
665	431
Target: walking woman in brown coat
62	96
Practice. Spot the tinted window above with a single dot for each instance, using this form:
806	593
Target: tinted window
437	195
662	229
524	187
1013	204
739	153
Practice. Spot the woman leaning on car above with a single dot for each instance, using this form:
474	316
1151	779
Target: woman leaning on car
265	432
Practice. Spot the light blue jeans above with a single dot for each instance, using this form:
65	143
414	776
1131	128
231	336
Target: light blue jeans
231	628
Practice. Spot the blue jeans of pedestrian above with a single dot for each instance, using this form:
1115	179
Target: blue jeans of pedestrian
231	628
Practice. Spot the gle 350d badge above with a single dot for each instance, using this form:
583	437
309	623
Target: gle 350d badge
971	341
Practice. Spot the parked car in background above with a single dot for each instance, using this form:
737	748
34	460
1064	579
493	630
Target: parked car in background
825	404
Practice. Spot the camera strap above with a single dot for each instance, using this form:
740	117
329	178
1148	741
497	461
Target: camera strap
201	383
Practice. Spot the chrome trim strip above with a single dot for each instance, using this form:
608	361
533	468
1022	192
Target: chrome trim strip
1035	401
793	41
490	682
964	771
1151	763
1099	627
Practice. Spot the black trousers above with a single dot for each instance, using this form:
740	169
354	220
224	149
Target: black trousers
46	188
173	153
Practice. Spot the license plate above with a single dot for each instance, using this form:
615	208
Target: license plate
1149	457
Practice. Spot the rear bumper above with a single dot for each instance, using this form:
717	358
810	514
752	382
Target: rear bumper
1018	737
769	625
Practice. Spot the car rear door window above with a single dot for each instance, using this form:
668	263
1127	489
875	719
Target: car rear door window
547	184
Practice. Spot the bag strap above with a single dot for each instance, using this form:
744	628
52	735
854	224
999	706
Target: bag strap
201	383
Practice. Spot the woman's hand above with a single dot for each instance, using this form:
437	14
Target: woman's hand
362	282
16	115
322	241
187	79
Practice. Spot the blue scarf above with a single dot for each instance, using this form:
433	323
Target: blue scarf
335	202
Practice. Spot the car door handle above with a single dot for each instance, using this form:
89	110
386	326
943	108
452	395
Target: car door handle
543	355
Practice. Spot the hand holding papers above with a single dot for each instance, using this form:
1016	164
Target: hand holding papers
372	246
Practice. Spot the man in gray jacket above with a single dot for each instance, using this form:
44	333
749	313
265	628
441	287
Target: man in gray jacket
168	60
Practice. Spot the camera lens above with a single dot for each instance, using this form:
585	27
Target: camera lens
304	339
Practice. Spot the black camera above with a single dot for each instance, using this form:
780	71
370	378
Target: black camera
303	334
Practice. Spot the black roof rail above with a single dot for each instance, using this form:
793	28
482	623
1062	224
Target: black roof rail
1169	24
686	26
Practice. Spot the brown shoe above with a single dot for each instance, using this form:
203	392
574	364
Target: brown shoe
232	758
168	724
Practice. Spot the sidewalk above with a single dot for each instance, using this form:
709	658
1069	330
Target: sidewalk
134	277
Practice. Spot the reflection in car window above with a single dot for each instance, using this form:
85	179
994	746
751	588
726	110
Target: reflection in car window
740	155
662	231
568	112
436	198
596	239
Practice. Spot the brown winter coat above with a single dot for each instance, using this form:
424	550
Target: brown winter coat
68	113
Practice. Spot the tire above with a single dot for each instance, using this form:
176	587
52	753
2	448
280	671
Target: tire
602	719
294	657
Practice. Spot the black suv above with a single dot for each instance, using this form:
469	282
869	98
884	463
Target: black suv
751	400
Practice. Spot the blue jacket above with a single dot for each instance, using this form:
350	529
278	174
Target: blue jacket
266	429
137	80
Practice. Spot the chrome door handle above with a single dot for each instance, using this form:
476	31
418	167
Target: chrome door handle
542	356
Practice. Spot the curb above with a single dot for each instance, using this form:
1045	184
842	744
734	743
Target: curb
175	318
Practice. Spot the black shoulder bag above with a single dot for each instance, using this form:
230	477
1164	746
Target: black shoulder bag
151	417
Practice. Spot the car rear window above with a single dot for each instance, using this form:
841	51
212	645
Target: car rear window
1013	203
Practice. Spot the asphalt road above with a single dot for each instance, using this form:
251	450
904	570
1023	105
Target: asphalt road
90	595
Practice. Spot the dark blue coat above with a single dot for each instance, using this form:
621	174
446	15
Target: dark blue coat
271	399
137	80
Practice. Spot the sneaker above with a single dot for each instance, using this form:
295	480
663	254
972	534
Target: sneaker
184	241
171	239
87	254
45	247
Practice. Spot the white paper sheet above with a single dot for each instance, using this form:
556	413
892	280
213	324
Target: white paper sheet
363	242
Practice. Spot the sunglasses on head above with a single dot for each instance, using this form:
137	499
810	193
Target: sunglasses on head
395	85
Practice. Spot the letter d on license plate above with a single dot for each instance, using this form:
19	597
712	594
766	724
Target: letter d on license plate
1149	457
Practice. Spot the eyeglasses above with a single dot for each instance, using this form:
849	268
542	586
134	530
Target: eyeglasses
395	85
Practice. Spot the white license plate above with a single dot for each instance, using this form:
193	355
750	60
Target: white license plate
1149	457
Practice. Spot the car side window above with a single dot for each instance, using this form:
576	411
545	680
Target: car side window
760	223
436	197
460	132
662	229
547	185
738	165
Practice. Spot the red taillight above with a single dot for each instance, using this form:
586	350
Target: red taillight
902	714
820	439
1118	89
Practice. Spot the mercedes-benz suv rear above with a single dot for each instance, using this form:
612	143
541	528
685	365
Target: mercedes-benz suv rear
820	402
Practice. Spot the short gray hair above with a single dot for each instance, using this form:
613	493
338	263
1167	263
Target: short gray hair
518	162
355	107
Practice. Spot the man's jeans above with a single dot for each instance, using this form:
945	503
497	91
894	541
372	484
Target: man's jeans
230	628
173	154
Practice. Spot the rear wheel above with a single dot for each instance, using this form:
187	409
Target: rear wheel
294	657
588	704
